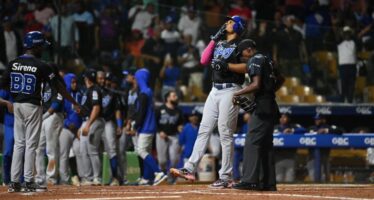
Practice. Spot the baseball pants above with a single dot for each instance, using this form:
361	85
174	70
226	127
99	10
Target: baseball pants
8	152
122	155
27	127
109	138
218	108
66	142
89	148
48	142
167	149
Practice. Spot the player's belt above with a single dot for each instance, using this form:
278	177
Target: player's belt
220	86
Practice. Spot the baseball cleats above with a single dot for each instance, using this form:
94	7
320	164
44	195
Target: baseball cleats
96	181
75	181
33	187
220	184
86	183
183	173
114	182
14	187
144	182
246	186
159	178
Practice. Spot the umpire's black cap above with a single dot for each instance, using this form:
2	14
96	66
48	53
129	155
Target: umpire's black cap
90	74
245	44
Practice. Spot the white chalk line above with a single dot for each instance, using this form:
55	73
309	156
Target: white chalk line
215	192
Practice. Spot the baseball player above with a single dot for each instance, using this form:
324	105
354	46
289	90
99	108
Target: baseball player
218	106
169	118
188	137
24	78
130	115
53	119
67	137
7	101
145	126
111	105
91	131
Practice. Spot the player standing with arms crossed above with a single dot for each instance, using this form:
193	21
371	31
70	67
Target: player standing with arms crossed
218	106
24	78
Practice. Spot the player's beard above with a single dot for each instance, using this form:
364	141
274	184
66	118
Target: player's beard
175	103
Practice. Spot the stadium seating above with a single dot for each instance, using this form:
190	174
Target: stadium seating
369	94
293	91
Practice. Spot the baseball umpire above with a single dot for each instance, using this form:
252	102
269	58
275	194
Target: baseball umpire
258	149
218	106
24	78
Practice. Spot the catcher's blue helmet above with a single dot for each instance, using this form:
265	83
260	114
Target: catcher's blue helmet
239	25
33	39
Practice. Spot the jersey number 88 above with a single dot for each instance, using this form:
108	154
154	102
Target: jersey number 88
22	83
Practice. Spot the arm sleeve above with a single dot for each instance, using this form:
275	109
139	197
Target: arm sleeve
57	102
207	54
139	119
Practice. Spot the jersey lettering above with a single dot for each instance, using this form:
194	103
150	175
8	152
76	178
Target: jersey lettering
26	68
22	83
222	52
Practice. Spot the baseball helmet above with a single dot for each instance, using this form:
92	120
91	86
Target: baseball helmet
239	24
90	74
33	39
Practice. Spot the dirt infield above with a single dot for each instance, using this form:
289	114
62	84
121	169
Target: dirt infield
184	192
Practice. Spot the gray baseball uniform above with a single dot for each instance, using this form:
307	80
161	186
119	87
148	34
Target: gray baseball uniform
24	78
219	108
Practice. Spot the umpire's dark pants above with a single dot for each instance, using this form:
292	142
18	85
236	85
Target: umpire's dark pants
258	152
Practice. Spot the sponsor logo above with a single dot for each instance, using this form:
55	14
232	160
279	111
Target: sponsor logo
285	109
326	110
340	141
106	100
278	141
308	141
364	110
369	141
26	68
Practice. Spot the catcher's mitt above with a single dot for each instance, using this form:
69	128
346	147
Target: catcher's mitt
245	103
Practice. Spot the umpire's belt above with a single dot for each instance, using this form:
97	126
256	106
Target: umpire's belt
220	86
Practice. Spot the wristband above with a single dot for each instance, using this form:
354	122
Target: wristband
119	123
